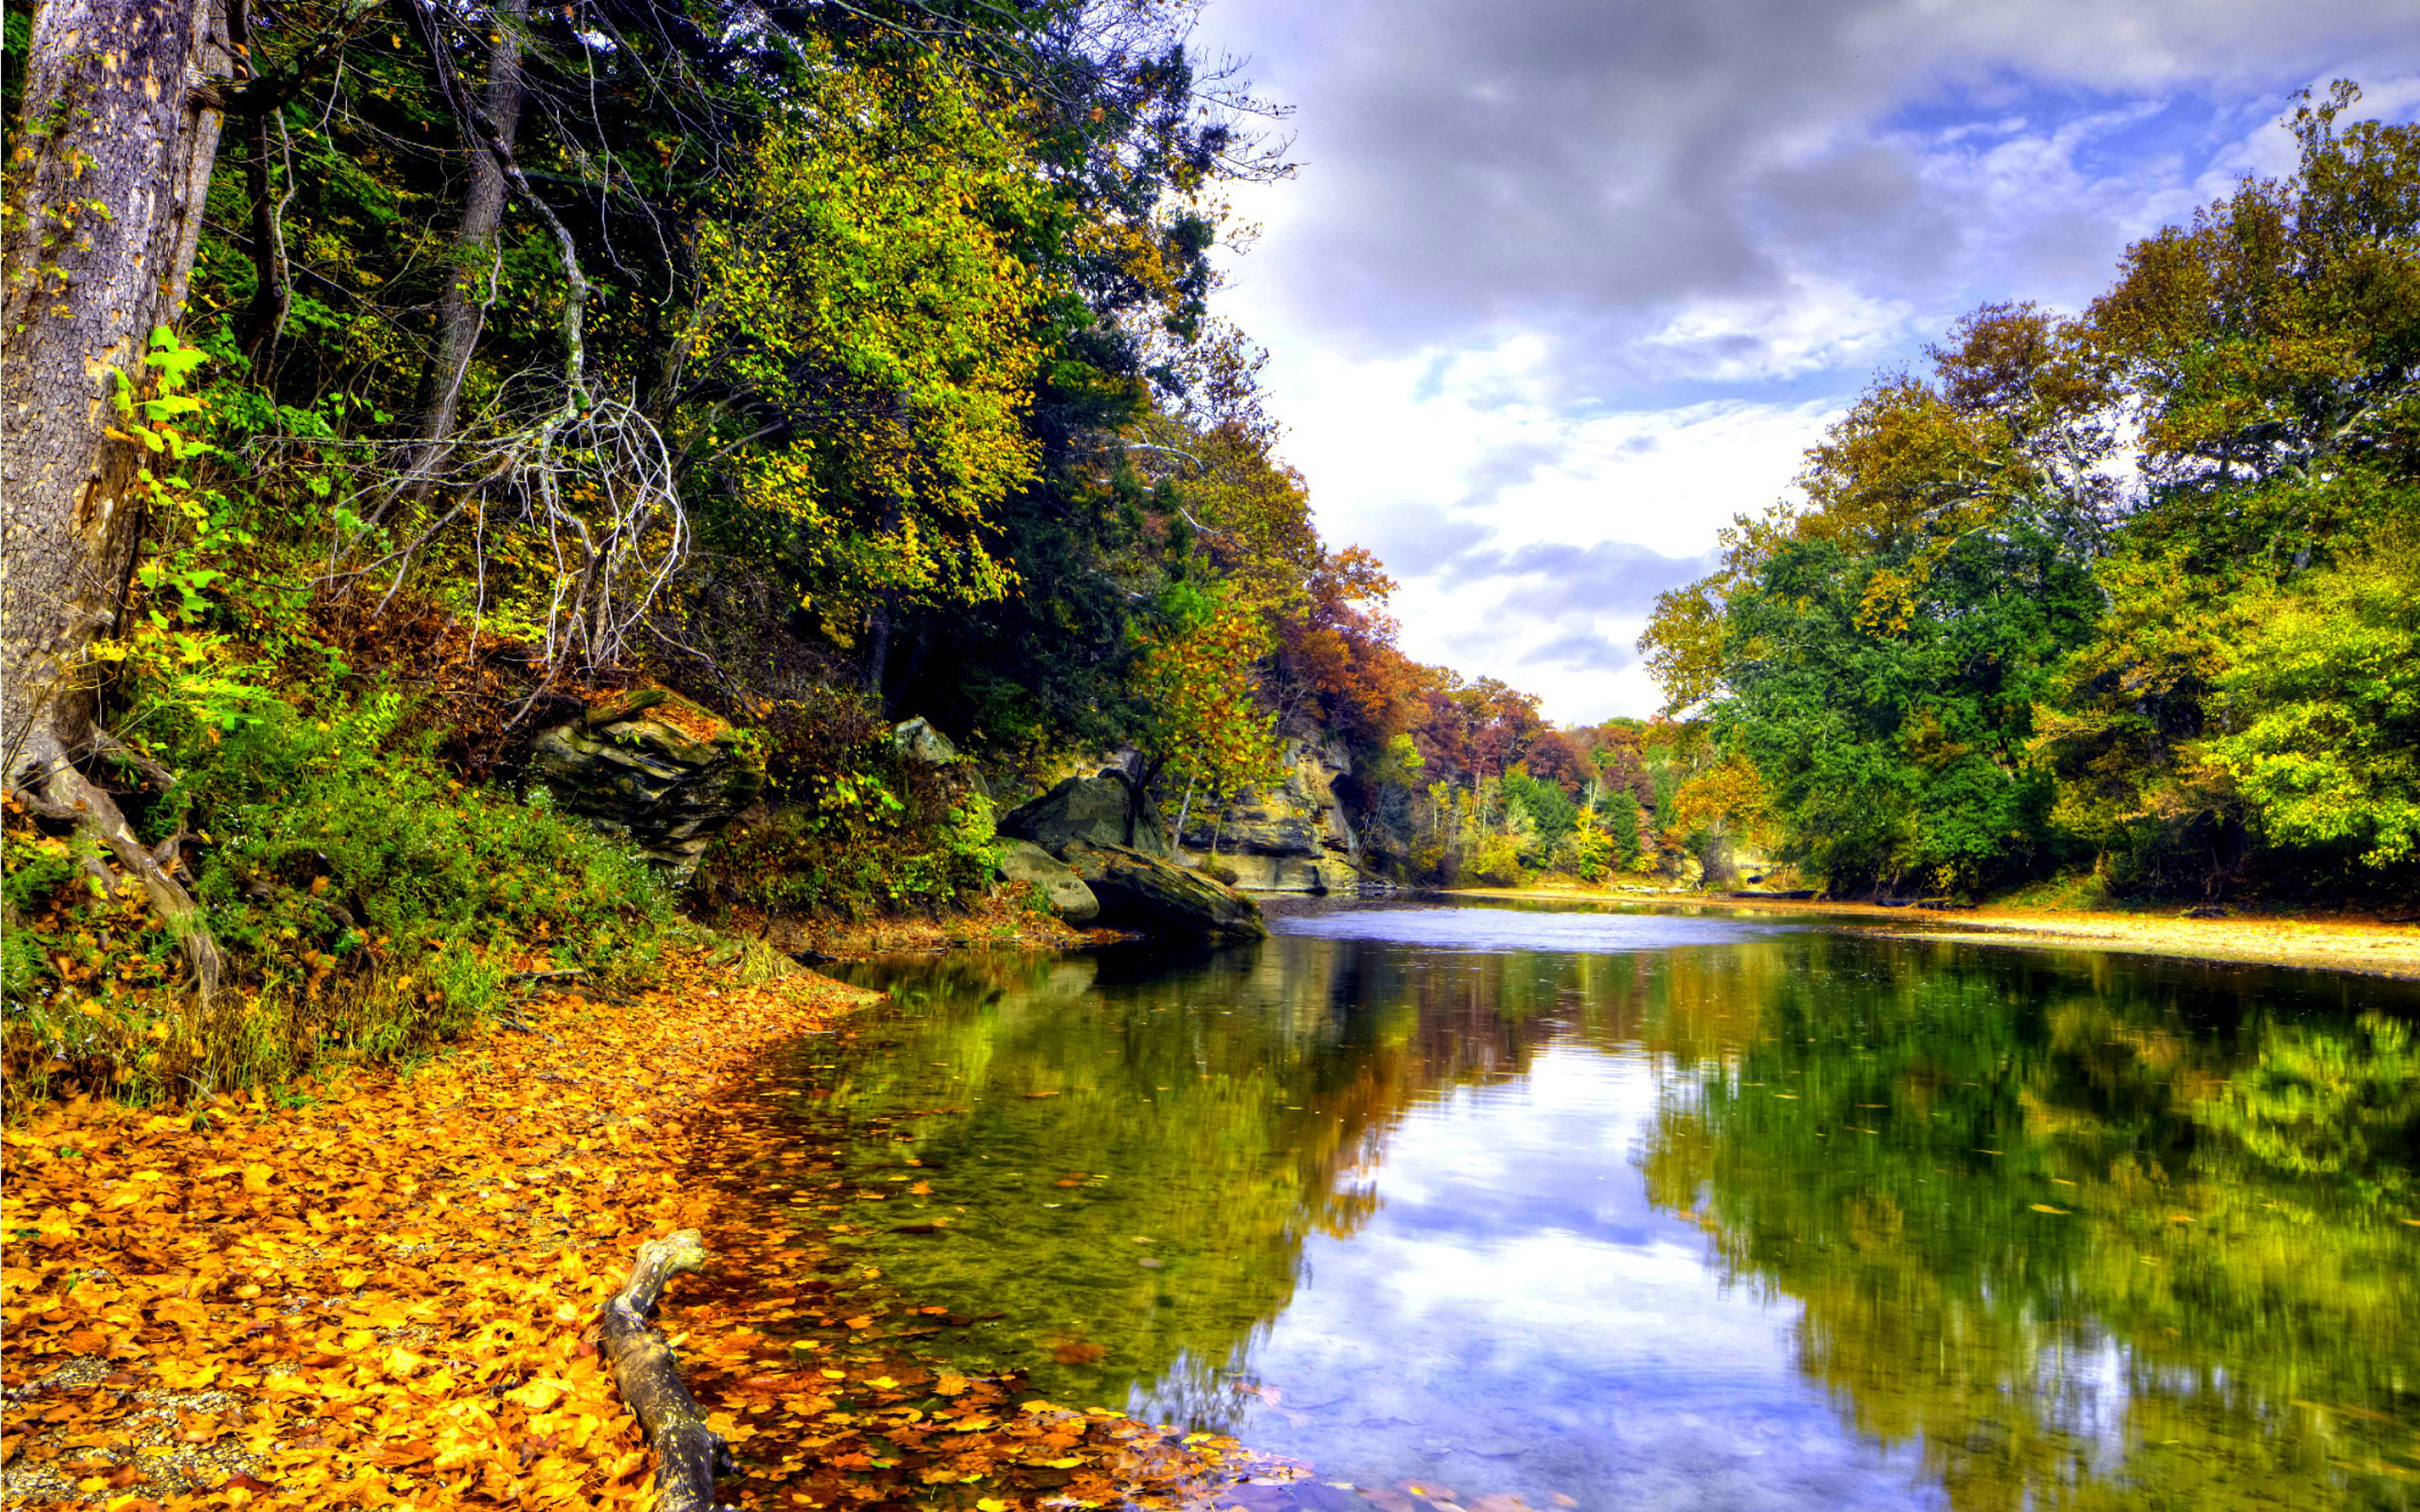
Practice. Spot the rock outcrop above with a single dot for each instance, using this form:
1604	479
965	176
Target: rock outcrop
1292	837
1022	862
1149	895
1106	809
920	742
654	769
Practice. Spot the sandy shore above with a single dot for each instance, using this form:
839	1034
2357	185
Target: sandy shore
2328	943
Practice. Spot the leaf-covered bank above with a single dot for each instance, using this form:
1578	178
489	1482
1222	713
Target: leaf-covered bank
376	1291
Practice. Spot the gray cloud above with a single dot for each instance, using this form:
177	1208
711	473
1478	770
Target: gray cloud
1584	651
1466	164
1415	539
1547	579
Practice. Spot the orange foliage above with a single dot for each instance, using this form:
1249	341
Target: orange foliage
384	1296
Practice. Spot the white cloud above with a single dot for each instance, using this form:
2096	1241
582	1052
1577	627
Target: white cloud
1592	271
1443	459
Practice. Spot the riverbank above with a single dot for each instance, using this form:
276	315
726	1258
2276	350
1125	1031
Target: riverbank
377	1289
2325	943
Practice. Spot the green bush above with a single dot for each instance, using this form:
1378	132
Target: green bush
367	905
851	825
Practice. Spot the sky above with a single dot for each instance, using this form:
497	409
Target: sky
1563	285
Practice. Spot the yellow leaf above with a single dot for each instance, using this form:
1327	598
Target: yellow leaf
256	1178
2044	1206
539	1394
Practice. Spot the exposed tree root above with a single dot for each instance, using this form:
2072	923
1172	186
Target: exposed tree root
56	789
687	1452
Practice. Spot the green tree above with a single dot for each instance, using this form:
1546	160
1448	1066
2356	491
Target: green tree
2322	705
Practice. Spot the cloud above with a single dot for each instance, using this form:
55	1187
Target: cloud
1557	577
1566	285
1467	165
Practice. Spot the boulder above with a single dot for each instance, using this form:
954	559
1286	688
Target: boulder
654	769
923	744
1021	861
1291	835
1105	809
1146	894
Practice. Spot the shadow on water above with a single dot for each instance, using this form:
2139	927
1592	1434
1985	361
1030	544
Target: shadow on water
1637	1208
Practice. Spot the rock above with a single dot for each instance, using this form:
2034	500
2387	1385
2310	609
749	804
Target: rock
1096	810
1292	837
654	769
1147	894
1022	861
923	744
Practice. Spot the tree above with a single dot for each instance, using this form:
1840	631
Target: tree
1210	731
471	285
2324	705
108	176
866	300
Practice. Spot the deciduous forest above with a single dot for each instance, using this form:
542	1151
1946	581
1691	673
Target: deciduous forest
803	372
515	510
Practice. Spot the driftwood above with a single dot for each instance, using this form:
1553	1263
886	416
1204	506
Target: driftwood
687	1452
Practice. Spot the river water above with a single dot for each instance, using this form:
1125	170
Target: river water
1616	1209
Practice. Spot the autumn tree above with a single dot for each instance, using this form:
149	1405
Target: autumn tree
1211	732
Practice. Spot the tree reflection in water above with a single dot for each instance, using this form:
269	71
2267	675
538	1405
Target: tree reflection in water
2093	1233
2071	1230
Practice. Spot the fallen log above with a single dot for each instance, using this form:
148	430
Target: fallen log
687	1452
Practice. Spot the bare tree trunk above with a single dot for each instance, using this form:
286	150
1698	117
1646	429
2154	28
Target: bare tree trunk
115	161
462	309
878	650
273	295
115	153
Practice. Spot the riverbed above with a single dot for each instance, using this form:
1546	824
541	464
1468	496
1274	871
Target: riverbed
1479	1205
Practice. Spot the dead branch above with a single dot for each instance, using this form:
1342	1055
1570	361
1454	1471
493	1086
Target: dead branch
687	1452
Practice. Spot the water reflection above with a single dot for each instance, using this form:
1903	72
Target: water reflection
1642	1210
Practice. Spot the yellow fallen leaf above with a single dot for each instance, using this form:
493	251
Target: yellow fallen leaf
2044	1206
256	1178
883	1383
539	1394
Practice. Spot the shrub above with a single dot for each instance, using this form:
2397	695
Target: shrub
367	905
851	824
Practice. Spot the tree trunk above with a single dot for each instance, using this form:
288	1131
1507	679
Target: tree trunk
462	308
687	1452
114	154
878	651
114	157
272	291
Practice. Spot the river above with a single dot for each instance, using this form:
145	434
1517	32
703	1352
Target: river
1618	1208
